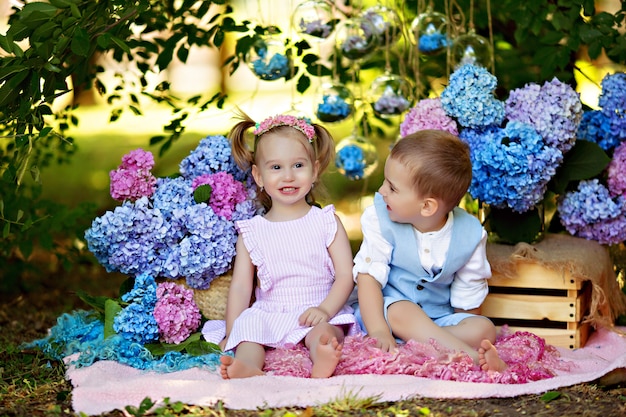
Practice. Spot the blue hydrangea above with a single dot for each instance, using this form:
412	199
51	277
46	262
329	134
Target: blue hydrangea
553	109
278	66
511	166
136	323
469	98
333	108
213	154
351	162
595	127
591	213
143	291
432	42
613	102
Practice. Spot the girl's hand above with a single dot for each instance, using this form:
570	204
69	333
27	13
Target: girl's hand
384	341
313	316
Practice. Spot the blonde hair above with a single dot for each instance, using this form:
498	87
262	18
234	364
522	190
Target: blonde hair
438	164
321	149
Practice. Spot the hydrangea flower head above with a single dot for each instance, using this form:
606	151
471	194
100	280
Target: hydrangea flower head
511	166
427	114
591	213
613	102
133	179
553	109
595	127
469	97
226	192
176	313
136	323
213	154
616	172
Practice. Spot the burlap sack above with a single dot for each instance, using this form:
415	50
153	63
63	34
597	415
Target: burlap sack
212	301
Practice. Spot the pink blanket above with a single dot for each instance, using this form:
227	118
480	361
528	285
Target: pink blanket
106	385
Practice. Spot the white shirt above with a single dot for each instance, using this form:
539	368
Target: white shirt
469	287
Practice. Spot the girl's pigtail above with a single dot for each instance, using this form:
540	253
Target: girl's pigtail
241	151
324	147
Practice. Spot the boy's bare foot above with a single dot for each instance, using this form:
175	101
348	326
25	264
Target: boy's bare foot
488	357
325	357
234	368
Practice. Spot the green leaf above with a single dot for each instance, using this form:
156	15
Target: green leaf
80	42
304	82
550	396
585	160
512	227
202	194
96	302
121	44
202	347
111	309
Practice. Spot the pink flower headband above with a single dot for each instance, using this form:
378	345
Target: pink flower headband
298	123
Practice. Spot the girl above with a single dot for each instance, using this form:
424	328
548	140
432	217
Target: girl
300	253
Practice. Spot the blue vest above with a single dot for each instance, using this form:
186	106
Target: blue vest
407	278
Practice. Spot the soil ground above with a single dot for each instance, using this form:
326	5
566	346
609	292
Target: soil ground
33	386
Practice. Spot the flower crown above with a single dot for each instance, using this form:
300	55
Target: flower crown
301	124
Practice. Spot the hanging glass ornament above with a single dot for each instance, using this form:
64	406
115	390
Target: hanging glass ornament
386	24
390	95
269	59
430	31
471	48
356	157
355	38
334	103
313	20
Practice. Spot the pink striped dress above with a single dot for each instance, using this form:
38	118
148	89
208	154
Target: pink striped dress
294	272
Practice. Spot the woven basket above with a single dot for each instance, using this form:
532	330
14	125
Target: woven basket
212	301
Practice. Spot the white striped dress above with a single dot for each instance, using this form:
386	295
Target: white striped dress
294	272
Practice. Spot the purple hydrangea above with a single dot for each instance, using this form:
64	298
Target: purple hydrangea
591	213
511	166
553	109
469	98
391	103
595	127
616	172
427	114
213	154
175	312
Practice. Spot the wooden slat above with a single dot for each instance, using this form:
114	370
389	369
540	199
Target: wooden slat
533	307
530	275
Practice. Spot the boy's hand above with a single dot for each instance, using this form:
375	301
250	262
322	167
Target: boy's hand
384	341
313	316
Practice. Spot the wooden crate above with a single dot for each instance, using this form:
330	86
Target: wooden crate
547	303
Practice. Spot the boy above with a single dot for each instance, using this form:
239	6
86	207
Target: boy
422	270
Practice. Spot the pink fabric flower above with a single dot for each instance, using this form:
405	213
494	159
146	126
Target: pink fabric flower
428	114
176	313
617	172
226	192
133	179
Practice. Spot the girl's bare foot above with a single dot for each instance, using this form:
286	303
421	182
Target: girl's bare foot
234	368
325	356
488	357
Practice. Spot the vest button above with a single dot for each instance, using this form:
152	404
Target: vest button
368	260
420	287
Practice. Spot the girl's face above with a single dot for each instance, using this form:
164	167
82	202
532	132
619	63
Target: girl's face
403	203
284	168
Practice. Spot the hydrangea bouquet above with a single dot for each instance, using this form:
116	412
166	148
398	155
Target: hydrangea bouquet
528	153
166	230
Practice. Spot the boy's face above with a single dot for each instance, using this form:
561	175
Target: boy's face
403	202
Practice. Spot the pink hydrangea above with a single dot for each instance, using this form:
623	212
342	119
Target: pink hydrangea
427	114
138	159
617	172
176	313
131	184
226	192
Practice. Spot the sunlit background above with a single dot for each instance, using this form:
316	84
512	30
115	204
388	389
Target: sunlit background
102	144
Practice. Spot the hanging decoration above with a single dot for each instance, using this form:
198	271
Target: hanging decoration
356	157
356	38
390	95
471	48
269	58
430	32
386	24
313	20
334	102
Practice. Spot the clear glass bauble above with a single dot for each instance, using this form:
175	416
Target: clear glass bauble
430	32
390	95
386	23
355	38
269	59
471	48
313	20
334	102
356	157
